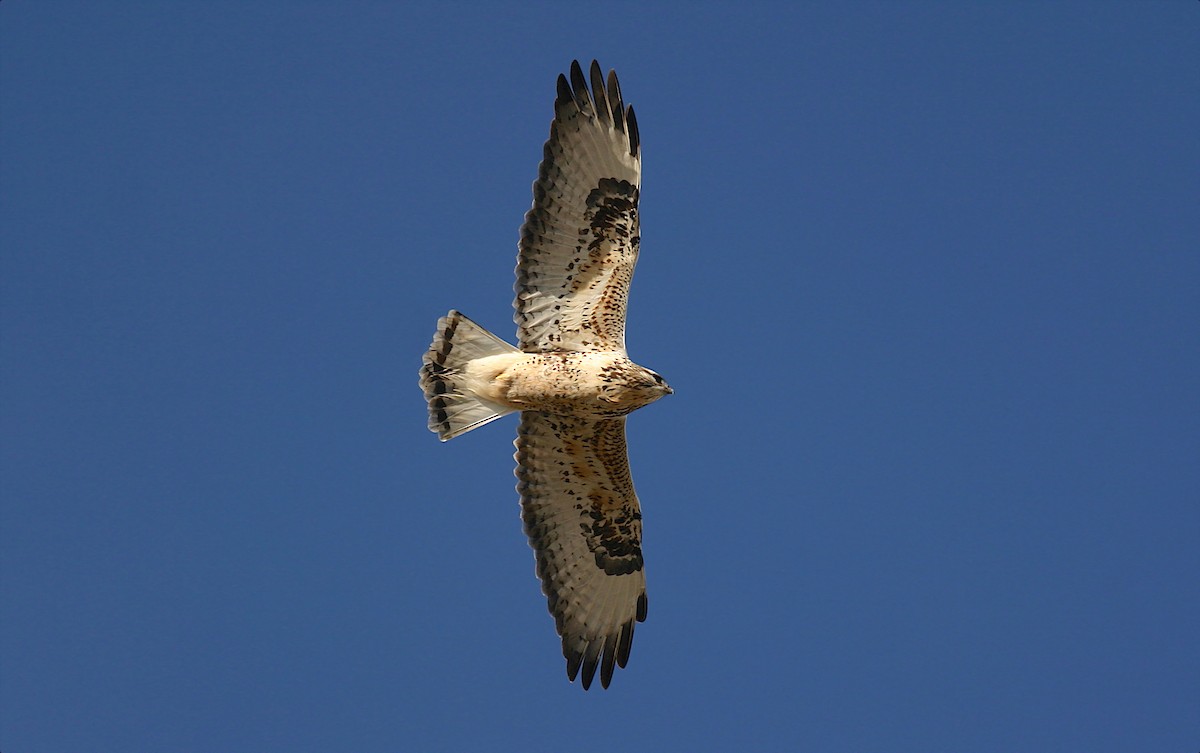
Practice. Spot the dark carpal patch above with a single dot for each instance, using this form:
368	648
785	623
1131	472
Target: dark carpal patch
613	200
613	528
612	224
612	542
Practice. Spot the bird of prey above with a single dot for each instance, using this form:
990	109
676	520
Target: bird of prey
569	377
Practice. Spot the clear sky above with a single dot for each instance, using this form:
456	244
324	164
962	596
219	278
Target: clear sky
923	276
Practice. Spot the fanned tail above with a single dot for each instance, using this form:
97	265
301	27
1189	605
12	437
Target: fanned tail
453	408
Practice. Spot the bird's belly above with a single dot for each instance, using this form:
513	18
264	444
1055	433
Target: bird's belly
567	384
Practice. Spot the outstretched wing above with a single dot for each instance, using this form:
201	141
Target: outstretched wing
583	521
579	243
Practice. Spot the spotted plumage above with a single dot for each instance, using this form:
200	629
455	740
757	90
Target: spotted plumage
570	377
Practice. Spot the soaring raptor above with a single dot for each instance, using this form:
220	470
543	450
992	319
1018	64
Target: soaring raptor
570	376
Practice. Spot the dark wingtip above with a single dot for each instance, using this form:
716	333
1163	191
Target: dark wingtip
564	91
625	643
608	660
615	101
583	99
601	99
603	110
635	140
573	661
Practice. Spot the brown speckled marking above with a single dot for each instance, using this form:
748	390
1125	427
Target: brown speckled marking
584	385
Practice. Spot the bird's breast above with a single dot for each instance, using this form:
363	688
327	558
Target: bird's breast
586	385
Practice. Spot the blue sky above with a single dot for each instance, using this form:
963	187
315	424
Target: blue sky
923	276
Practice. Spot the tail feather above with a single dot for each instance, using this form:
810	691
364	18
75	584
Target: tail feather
453	408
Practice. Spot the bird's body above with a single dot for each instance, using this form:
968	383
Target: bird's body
570	378
584	385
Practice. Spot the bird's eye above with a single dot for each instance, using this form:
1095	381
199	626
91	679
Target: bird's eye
657	378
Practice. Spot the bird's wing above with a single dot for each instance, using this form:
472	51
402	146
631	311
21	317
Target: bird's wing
584	523
579	243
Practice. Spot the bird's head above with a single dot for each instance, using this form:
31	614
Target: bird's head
655	383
